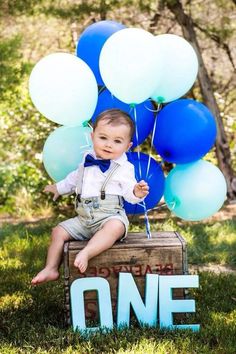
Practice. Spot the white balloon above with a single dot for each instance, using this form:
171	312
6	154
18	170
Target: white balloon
127	64
64	89
178	67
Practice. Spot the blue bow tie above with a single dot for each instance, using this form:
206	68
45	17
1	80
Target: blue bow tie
91	161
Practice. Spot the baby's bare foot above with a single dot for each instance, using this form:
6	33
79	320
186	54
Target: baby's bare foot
45	275
81	261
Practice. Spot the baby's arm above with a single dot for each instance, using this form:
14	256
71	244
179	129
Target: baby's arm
141	189
132	191
52	188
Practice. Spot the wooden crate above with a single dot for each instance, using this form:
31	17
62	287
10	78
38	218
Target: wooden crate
164	253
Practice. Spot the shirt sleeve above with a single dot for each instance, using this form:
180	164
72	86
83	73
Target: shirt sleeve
68	185
128	182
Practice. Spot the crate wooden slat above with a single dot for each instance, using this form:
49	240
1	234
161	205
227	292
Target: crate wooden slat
164	253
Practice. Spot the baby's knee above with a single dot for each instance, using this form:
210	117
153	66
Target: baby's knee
59	233
115	226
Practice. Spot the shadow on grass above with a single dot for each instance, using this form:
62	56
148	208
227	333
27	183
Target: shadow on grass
34	228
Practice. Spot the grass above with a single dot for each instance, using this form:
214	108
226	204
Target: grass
31	319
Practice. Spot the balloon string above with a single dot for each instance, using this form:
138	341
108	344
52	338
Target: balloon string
152	139
152	110
137	139
147	224
90	126
172	205
164	205
101	89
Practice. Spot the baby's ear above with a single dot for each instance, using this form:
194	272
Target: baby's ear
130	145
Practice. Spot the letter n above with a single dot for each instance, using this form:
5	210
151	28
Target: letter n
128	295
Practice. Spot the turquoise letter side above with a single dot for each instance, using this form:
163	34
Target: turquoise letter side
128	295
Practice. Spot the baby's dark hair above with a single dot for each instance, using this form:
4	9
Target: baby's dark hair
115	117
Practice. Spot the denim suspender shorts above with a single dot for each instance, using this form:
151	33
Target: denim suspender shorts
94	212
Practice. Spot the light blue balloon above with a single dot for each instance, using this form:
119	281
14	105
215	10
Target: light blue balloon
195	191
177	69
127	63
64	89
64	150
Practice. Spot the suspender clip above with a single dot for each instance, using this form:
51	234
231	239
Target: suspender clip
78	198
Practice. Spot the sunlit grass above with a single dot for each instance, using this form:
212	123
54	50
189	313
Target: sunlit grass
208	242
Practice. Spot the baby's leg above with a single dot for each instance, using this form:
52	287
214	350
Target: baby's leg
103	239
50	271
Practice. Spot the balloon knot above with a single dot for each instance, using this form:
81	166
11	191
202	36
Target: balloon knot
132	105
160	99
85	123
176	202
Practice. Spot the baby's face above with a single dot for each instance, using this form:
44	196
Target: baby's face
110	142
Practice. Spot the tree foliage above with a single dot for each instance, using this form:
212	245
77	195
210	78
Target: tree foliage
32	29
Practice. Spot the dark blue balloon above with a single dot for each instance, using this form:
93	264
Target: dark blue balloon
144	114
91	42
155	180
185	131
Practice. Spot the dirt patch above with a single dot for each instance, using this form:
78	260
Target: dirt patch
228	212
214	268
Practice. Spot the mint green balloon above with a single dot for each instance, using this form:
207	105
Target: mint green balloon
176	67
64	150
195	191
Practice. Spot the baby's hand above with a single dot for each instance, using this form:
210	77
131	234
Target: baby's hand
141	189
52	188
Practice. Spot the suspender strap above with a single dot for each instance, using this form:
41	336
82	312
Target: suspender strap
78	189
110	174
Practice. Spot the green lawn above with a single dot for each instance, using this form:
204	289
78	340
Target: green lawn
31	319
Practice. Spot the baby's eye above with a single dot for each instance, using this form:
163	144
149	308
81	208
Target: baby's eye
118	141
103	137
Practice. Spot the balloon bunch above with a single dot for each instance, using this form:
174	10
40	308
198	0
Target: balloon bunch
129	68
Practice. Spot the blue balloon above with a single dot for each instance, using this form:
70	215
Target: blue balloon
195	191
144	114
91	42
185	131
155	180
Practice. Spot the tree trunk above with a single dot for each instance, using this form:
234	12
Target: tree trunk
222	146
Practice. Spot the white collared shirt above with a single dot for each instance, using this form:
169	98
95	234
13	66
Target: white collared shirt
121	183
